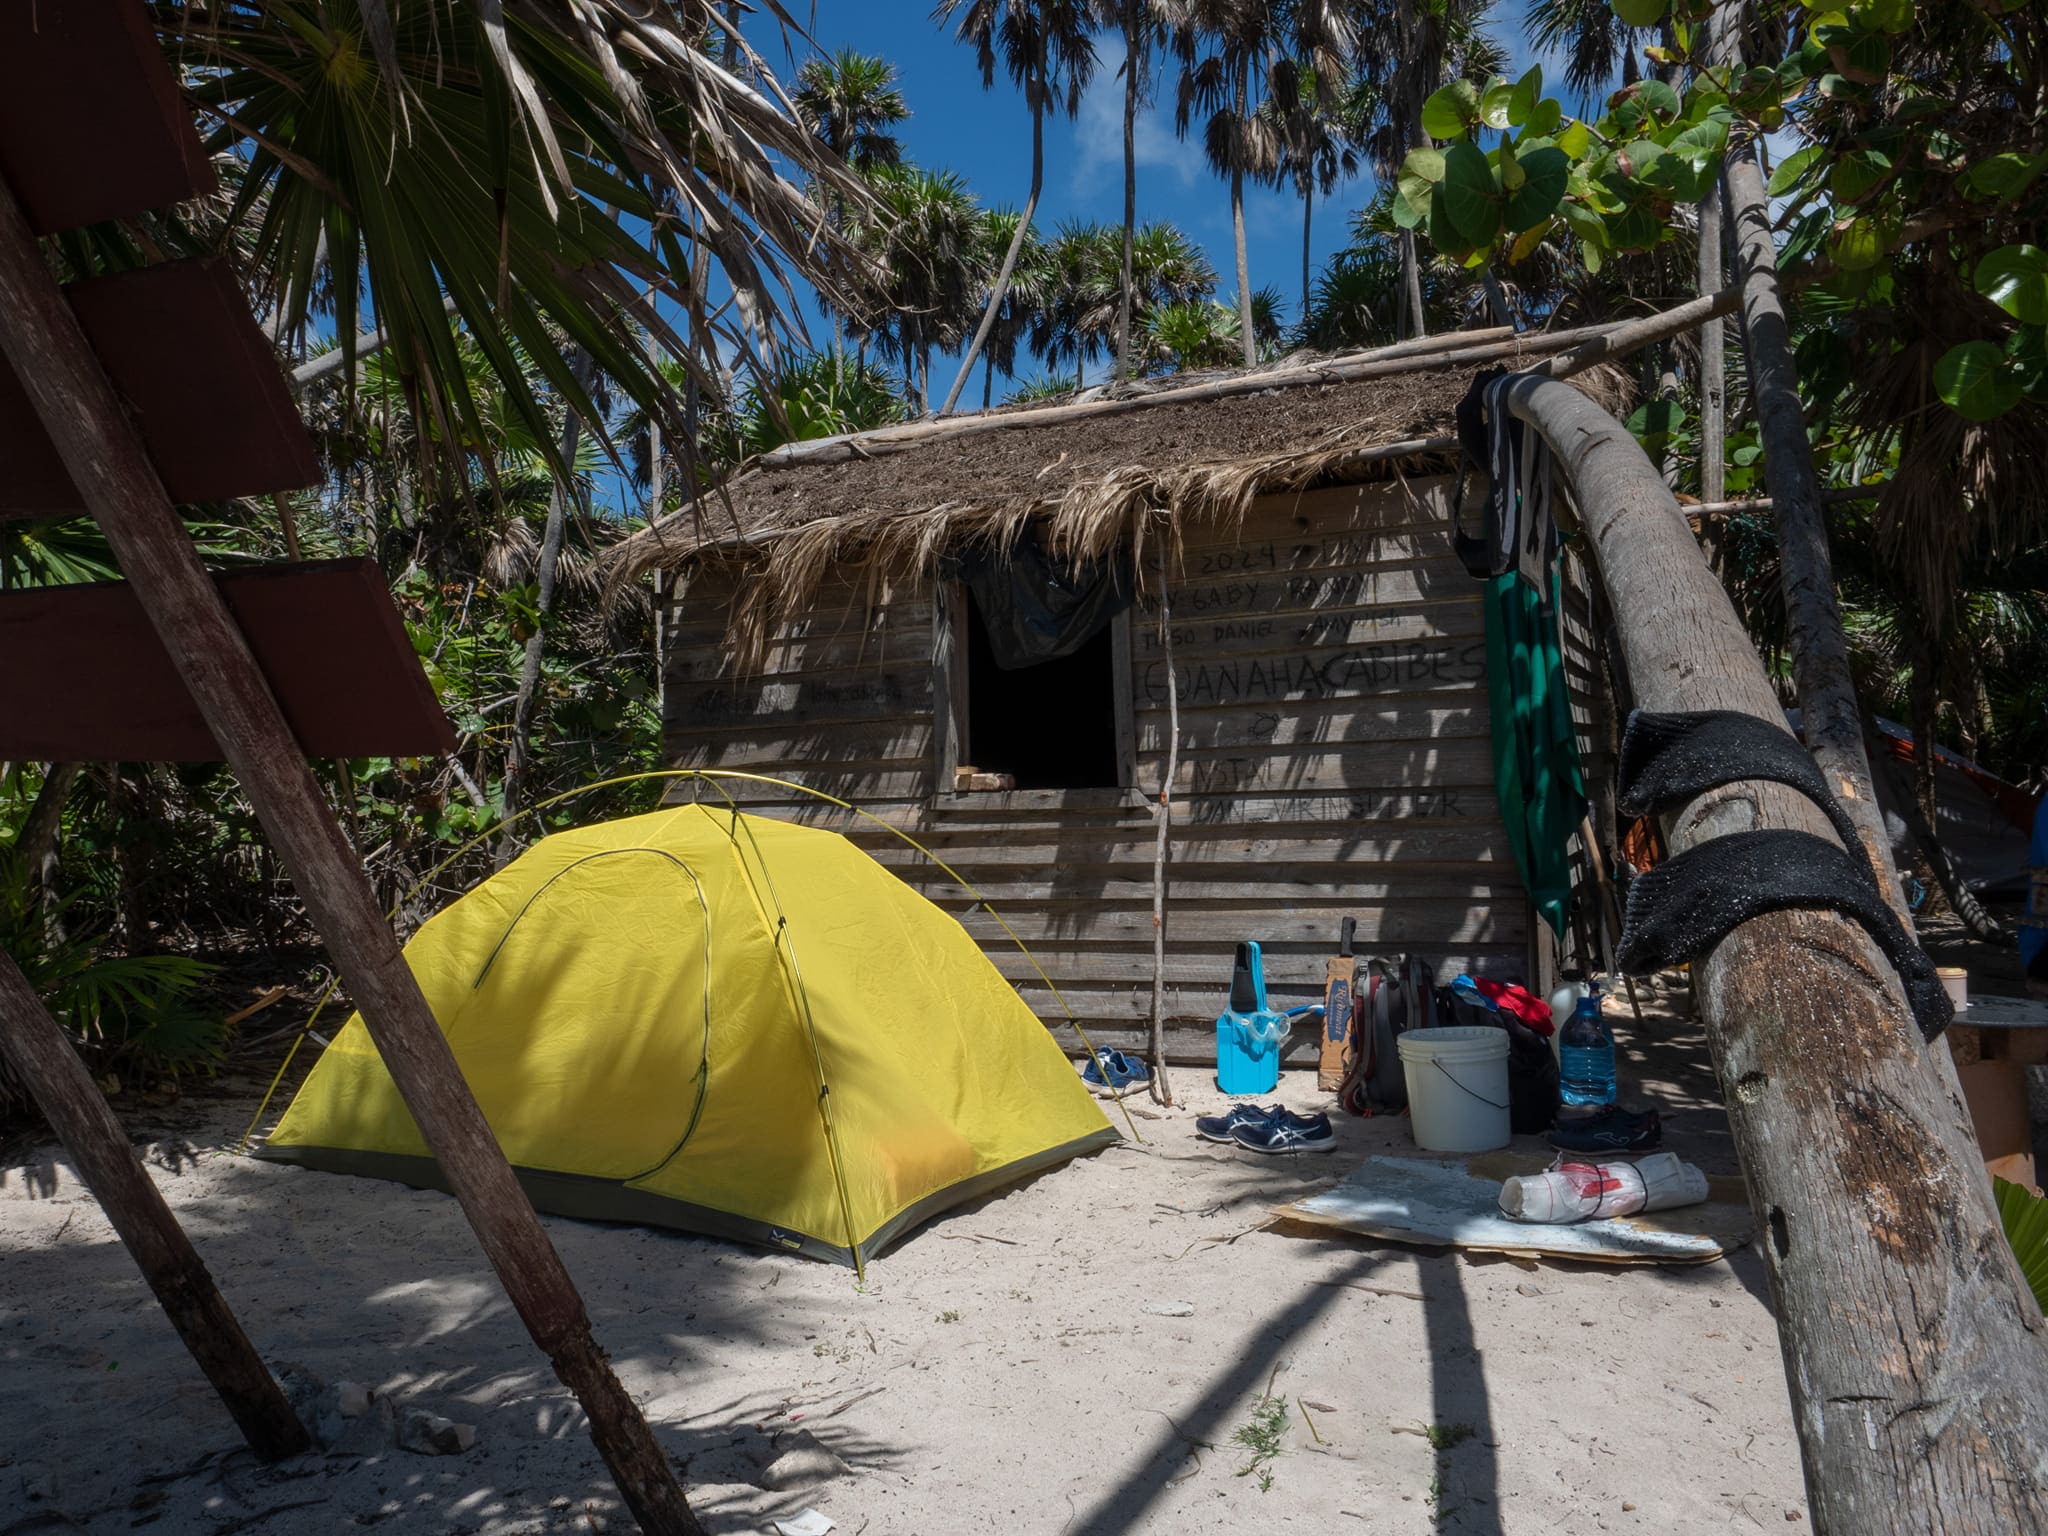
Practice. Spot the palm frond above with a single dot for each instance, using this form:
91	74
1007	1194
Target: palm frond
551	169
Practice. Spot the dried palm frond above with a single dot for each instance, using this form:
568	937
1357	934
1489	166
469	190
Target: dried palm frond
535	174
786	557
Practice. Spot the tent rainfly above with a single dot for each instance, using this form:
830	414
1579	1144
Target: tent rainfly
710	1021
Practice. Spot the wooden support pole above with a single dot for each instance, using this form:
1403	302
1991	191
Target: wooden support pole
43	1057
1834	493
1162	1090
1457	349
1914	1352
1616	341
1831	720
106	461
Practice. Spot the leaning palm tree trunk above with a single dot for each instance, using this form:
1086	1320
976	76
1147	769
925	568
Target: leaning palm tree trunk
1002	282
1830	718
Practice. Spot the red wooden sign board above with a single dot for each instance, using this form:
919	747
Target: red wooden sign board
87	680
90	123
198	375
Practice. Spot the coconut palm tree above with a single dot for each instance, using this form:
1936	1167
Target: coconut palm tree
1413	50
850	101
1142	24
1318	150
925	240
1236	55
1046	48
1020	301
448	168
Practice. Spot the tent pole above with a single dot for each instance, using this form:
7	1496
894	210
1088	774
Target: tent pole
42	1055
104	455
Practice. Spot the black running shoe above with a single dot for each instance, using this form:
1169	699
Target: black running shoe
1612	1130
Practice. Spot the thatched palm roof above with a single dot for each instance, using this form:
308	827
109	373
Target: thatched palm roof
1096	475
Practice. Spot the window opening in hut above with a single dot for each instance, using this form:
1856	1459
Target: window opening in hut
1049	726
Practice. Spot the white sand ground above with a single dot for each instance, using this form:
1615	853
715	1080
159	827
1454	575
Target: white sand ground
999	1372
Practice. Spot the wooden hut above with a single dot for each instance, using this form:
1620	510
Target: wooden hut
1293	531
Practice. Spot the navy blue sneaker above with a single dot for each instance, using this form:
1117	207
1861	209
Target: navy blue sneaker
1612	1130
1293	1134
1220	1127
1115	1073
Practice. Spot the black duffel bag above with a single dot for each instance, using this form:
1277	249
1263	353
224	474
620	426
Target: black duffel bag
1533	1097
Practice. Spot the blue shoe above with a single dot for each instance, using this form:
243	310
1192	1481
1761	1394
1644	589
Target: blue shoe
1115	1073
1294	1134
1220	1127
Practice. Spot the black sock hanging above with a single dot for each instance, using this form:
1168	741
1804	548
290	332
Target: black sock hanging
1670	758
1688	904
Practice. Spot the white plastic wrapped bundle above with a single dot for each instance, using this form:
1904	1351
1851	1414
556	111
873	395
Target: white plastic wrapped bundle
1568	1192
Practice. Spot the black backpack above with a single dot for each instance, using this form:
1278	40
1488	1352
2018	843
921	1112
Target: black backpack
1394	998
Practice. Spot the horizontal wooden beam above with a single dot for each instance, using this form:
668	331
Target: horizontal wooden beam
195	374
104	689
1459	349
91	127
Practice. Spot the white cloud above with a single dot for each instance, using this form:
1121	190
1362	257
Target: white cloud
1099	140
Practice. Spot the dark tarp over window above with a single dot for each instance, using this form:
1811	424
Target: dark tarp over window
1035	608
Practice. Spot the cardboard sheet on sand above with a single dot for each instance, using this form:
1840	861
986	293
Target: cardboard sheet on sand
1455	1204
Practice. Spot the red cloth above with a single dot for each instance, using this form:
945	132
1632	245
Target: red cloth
1518	1000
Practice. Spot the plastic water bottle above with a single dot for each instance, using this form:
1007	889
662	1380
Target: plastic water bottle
1586	1057
1564	1002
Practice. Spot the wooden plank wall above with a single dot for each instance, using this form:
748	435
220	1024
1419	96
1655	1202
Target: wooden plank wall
1334	762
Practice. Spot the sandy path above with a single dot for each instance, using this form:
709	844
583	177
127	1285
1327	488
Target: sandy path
997	1373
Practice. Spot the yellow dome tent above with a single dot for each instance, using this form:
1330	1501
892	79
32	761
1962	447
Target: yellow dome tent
717	1022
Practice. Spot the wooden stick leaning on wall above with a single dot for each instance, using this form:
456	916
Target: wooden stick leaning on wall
105	458
1162	1090
42	1056
1913	1348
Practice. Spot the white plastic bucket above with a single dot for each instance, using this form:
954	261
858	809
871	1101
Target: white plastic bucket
1457	1087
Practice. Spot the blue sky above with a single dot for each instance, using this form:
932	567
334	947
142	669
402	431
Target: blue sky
986	137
